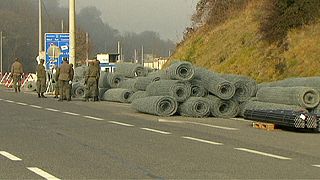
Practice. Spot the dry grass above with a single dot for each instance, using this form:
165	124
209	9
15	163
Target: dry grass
235	47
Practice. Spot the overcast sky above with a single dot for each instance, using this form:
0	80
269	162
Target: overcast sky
168	17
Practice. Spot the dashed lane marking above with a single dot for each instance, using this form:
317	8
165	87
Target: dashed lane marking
263	153
34	106
316	165
94	118
241	119
42	173
214	126
10	156
1	99
155	130
23	104
9	101
71	113
120	123
202	140
53	110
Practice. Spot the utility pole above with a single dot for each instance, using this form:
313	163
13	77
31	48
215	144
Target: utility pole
72	32
40	31
135	56
119	51
1	54
142	54
87	47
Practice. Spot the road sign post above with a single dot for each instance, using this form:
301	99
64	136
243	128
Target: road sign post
57	48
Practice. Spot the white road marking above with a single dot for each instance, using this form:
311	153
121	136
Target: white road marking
1	99
10	156
120	123
23	104
214	126
42	173
9	101
241	119
202	140
263	153
316	165
38	107
154	130
71	113
54	110
94	118
201	124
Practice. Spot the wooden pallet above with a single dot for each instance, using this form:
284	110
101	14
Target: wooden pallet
263	125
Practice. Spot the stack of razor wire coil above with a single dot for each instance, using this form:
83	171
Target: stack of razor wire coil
113	79
137	95
287	118
195	107
78	90
157	105
117	95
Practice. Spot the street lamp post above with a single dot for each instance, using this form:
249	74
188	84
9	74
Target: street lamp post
1	62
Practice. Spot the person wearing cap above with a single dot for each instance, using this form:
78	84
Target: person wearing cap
91	81
41	79
16	73
64	79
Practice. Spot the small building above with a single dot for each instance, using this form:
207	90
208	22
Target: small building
156	63
107	61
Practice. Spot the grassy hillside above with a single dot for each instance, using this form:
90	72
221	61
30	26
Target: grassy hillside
235	46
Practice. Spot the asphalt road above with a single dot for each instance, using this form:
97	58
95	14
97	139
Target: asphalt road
44	138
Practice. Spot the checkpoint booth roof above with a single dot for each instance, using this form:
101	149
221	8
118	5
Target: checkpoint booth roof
56	49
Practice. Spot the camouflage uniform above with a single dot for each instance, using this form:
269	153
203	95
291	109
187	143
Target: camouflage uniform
16	73
91	82
41	79
56	84
64	78
97	65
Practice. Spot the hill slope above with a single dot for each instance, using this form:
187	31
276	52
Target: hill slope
235	46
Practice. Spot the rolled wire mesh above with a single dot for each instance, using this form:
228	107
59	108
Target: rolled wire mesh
129	83
302	96
137	95
117	95
215	84
195	107
293	82
114	79
223	108
180	90
160	73
157	105
102	91
79	73
78	90
103	80
180	70
30	86
245	86
130	70
197	88
142	82
258	105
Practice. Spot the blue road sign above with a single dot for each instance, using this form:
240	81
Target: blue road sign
57	48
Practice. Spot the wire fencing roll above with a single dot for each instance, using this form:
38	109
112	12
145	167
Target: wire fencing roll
292	82
302	96
180	90
180	70
117	95
30	86
103	80
113	79
80	73
223	108
156	105
130	70
143	82
215	84
129	83
197	88
258	105
195	107
160	74
78	90
137	95
102	91
245	86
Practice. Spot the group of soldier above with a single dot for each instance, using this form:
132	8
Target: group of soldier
63	79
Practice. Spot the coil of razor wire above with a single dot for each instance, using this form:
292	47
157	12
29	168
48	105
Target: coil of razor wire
113	79
157	105
129	83
180	70
223	108
137	95
143	82
197	88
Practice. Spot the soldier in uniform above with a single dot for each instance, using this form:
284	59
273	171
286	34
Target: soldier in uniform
41	79
56	80
64	78
16	73
97	65
71	79
91	82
